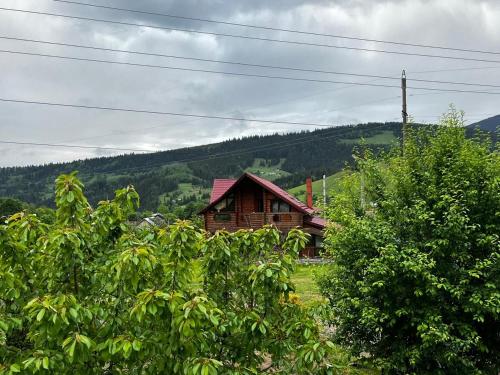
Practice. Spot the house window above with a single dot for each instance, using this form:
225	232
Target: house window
279	206
222	217
315	241
227	204
318	241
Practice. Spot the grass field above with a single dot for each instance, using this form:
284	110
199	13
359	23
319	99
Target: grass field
332	183
385	137
261	168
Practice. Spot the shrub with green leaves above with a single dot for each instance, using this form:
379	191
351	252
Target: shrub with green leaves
91	295
415	283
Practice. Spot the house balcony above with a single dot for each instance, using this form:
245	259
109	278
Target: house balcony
233	221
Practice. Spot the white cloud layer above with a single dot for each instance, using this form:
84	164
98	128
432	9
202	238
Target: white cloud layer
458	23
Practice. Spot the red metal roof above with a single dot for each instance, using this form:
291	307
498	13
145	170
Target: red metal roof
315	221
221	185
279	192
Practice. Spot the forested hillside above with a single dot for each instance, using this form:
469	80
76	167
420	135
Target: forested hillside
489	124
181	177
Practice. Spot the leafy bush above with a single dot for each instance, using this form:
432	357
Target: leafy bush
416	278
90	295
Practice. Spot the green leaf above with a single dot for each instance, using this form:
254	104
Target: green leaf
127	346
71	351
45	363
85	340
40	315
73	313
15	368
136	345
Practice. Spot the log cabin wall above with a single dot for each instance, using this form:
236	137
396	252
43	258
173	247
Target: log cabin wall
249	193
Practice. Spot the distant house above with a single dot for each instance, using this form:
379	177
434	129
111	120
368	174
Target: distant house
155	220
252	202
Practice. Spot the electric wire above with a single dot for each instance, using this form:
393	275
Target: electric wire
283	144
276	145
295	31
280	102
161	112
66	105
294	42
76	146
287	100
84	59
313	80
241	152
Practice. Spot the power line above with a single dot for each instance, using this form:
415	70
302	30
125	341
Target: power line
236	74
184	58
295	42
365	103
280	29
466	116
161	112
131	110
279	102
276	145
203	70
220	62
455	69
242	152
76	146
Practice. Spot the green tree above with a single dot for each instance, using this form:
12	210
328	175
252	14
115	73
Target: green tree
10	206
416	274
90	295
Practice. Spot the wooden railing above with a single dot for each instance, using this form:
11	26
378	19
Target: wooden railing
282	220
254	220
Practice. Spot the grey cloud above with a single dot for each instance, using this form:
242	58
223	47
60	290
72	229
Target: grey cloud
448	22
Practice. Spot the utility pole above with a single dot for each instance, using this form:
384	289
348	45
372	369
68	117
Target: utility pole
324	190
404	112
362	189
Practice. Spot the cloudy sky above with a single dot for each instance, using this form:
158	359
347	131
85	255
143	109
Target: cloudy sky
468	24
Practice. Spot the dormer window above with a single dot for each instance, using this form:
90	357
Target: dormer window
227	204
277	205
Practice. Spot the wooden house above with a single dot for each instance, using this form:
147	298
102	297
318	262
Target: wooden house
251	202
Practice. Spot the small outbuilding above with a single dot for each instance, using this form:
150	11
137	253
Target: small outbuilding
155	220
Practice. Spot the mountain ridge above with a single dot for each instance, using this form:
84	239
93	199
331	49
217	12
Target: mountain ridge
183	176
489	124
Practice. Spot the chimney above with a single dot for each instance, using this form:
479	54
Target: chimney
309	192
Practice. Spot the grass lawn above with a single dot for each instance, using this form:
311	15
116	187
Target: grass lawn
308	292
303	278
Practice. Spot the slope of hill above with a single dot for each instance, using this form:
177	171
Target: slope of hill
181	177
332	183
490	124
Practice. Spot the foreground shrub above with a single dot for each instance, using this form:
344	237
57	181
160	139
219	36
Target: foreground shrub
90	295
416	278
